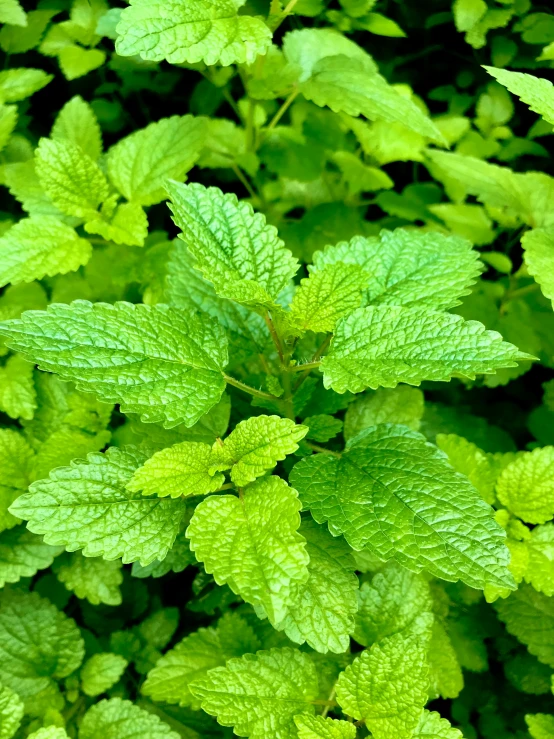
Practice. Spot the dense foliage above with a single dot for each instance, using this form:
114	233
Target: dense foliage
276	395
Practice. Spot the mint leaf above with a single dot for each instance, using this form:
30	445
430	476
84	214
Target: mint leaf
540	566
77	123
92	578
127	224
18	84
536	92
391	480
259	695
23	554
322	427
538	245
387	686
525	486
541	725
11	12
233	247
316	727
11	712
432	726
17	388
87	506
16	457
101	672
190	31
114	718
385	345
402	405
529	616
171	361
252	544
469	460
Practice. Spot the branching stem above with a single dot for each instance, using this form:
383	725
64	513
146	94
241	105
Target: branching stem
247	388
282	110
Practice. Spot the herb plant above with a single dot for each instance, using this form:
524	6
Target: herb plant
276	395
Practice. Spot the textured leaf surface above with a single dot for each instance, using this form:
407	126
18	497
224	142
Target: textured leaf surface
469	460
322	427
16	458
541	725
127	225
536	92
409	267
529	616
22	554
259	695
190	31
540	566
160	362
387	687
18	84
538	245
140	164
120	719
234	247
445	673
39	246
385	345
93	578
325	606
316	727
87	506
255	446
37	643
17	388
101	672
11	712
76	122
526	486
402	405
432	726
393	491
180	470
252	544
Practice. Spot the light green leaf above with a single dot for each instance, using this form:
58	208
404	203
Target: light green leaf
194	655
541	725
409	267
467	13
37	643
396	601
252	544
306	47
16	457
536	92
23	554
71	179
255	446
540	567
381	25
11	705
393	491
76	122
11	12
179	471
190	31
316	727
529	616
402	405
18	84
472	222
160	362
86	506
234	247
526	486
127	224
325	606
327	295
445	673
92	578
259	695
387	686
17	40
322	427
117	718
469	460
101	672
49	732
76	62
8	121
39	246
384	345
17	389
140	164
538	252
432	726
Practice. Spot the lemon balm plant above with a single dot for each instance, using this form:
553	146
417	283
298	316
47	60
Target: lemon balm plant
276	447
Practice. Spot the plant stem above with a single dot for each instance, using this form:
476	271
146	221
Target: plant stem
321	449
286	12
227	486
229	98
247	388
308	366
330	699
241	176
275	337
282	110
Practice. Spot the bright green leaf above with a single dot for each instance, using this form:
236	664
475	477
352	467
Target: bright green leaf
92	578
117	718
526	486
101	672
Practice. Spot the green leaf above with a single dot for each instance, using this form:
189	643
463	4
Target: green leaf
316	727
117	718
71	179
11	12
140	164
160	362
325	606
77	123
194	655
252	544
393	491
384	345
76	62
179	471
87	506
541	725
101	672
92	578
445	673
11	705
526	486
538	246
259	695
16	457
432	726
527	674
536	92
402	405
23	554
127	224
470	461
234	247
8	121
17	389
50	732
540	567
190	31
409	267
396	601
255	446
387	686
327	295
306	47
37	643
39	246
18	84
322	427
529	616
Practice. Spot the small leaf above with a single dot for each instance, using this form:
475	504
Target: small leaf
101	672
